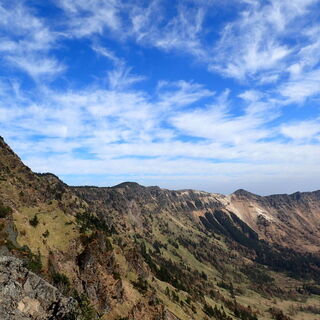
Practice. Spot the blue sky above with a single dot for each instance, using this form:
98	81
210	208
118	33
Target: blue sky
213	95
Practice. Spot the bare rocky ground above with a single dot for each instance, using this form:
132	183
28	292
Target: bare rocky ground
24	295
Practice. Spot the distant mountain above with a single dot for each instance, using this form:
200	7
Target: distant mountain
134	252
289	220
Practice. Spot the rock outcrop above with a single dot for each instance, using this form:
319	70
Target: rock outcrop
24	295
292	221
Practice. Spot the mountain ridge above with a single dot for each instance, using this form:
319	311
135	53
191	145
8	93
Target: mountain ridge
134	252
238	191
4	145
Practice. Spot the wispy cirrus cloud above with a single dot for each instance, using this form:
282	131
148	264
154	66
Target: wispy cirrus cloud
302	86
146	22
217	123
123	110
121	75
89	17
255	44
183	31
26	40
265	42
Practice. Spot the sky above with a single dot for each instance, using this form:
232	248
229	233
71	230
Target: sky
212	95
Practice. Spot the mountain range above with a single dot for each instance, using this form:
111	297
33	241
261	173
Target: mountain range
146	253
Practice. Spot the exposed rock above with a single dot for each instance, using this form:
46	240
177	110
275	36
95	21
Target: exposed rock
292	220
24	295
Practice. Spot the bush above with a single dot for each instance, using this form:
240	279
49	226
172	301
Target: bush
4	211
61	281
31	261
257	276
88	222
224	285
109	246
116	275
244	313
86	310
278	314
216	313
34	221
34	263
46	234
141	285
312	289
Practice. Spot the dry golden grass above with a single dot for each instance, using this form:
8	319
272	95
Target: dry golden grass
61	229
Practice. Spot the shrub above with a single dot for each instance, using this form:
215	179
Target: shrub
34	262
257	276
34	221
312	289
216	313
116	275
141	285
225	285
61	280
46	234
86	310
31	261
208	310
89	222
4	211
278	314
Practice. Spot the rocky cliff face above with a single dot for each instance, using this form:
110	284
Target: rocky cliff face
290	220
24	295
134	252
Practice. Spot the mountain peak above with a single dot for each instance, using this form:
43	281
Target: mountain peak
128	184
244	193
4	148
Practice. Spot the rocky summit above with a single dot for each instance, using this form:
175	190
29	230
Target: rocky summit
146	253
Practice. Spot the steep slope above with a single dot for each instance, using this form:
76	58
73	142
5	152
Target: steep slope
203	224
134	252
290	220
25	295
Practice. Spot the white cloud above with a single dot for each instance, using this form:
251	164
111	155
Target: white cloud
183	32
145	22
180	129
256	45
263	177
87	17
27	40
302	131
251	95
37	66
180	93
105	52
301	87
220	126
120	76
